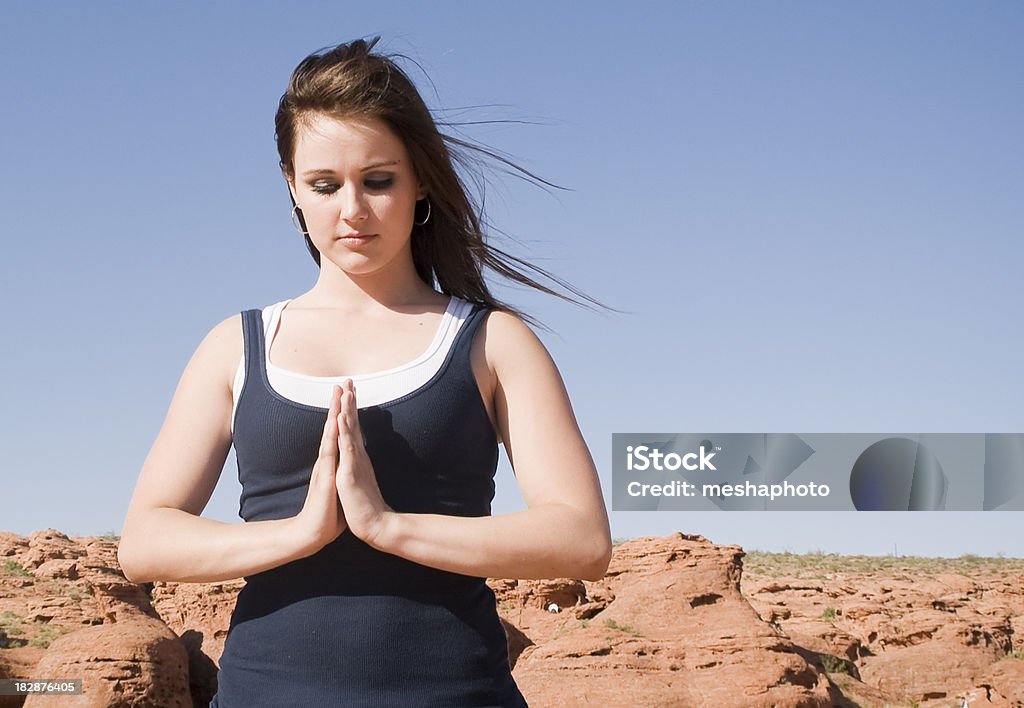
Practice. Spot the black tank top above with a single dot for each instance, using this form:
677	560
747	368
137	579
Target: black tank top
351	625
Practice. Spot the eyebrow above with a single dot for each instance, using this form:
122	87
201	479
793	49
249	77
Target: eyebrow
325	171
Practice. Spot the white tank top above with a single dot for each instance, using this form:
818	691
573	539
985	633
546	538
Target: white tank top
375	388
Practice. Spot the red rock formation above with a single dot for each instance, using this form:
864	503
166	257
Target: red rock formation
1001	685
667	626
68	609
133	662
199	614
922	637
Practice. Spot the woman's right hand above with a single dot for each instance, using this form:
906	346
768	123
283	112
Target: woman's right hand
322	518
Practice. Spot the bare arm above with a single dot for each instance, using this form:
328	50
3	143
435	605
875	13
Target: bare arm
173	545
545	541
564	532
164	538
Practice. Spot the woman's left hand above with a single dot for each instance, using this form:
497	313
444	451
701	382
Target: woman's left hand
365	510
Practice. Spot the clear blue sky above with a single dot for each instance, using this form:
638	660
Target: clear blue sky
811	211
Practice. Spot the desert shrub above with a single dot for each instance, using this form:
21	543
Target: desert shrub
45	634
833	664
15	568
11	628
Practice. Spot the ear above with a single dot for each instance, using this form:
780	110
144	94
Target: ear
421	191
291	186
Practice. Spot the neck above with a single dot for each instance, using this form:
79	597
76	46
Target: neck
389	288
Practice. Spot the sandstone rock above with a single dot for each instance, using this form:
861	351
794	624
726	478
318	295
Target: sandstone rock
914	636
678	632
57	569
52	585
11	544
517	641
676	622
49	545
1003	683
203	608
131	663
200	613
852	693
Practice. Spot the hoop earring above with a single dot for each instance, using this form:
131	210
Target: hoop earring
420	223
296	223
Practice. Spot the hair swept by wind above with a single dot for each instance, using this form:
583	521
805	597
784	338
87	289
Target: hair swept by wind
451	250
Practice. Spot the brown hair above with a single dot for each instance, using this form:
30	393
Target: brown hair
350	81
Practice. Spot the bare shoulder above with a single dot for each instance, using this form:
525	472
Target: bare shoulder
519	363
533	412
505	350
224	347
511	343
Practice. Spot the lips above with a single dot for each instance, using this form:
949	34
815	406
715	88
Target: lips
357	241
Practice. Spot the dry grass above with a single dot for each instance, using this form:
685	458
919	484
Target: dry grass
14	628
818	564
612	624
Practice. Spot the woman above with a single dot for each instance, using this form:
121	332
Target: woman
366	497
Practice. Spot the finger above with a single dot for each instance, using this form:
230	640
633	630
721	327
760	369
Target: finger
339	417
328	443
352	412
350	418
346	434
344	414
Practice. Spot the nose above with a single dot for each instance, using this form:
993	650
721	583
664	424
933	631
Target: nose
353	206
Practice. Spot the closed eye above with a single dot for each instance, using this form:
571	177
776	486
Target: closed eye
376	185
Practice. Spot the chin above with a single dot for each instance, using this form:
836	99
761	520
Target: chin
364	263
359	265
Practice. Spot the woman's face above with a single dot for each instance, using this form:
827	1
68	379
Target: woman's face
357	191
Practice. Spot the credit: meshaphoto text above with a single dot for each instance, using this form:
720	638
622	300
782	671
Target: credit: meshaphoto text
747	489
